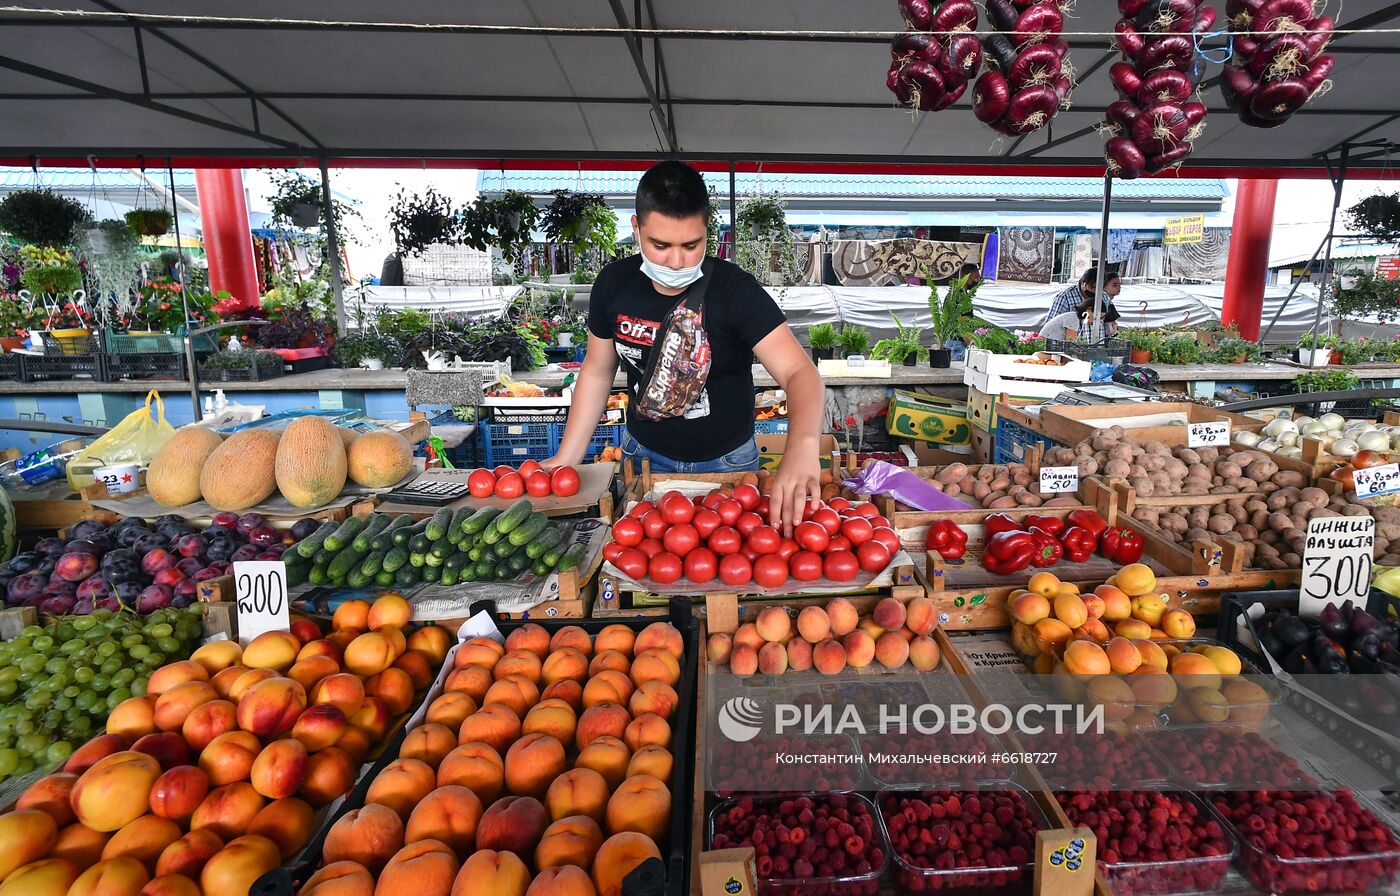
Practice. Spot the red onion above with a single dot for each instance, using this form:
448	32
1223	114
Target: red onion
1322	67
1001	54
1129	40
1130	8
1167	86
1281	57
1238	86
1320	34
1279	99
1058	44
1125	160
1159	161
1195	113
991	98
955	15
1236	8
1037	64
918	14
1063	85
955	92
1205	19
1032	108
964	55
1002	14
1282	15
1125	79
926	87
1122	113
908	47
1160	127
1255	121
1037	23
1245	47
1171	51
1166	15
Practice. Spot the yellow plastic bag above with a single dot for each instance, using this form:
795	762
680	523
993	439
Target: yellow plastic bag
520	389
135	440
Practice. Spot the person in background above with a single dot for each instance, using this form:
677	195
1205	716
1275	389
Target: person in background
972	272
1075	296
1069	326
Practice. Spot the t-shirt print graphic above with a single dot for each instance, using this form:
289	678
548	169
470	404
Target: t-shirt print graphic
633	338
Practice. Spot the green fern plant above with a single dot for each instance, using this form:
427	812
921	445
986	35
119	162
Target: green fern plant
904	344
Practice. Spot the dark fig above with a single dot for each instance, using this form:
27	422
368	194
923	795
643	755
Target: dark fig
1362	622
1376	700
1330	663
1332	621
1291	630
1271	644
1361	665
1296	659
49	547
1390	636
1367	645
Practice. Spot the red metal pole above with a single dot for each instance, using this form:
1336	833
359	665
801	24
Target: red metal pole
228	242
1249	255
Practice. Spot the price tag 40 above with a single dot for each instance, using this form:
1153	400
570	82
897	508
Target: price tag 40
261	589
1056	480
1372	482
1208	435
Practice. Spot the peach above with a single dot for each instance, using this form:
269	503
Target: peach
401	785
656	665
428	743
271	707
619	856
320	647
924	653
868	626
512	823
341	637
393	686
369	653
772	624
1052	631
48	877
642	804
280	769
475	766
432	640
320	726
389	609
143	840
87	755
178	792
449	814
1123	656
530	637
171	674
311	670
892	650
572	840
229	757
553	717
121	876
288	822
189	854
1070	609
515	691
799	655
813	624
351	614
743	661
496	725
772	658
860	649
228	810
565	880
1086	658
532	762
649	728
616	637
747	636
171	885
368	836
27	835
52	794
207	721
373	718
602	719
581	791
1152	654
339	879
246	682
920	615
79	844
482	652
842	616
275	650
329	773
655	697
522	663
889	614
569	663
473	681
344	691
167	748
608	756
114	792
608	686
665	636
132	718
1029	608
1178	624
425	868
651	759
398	641
354	744
572	636
604	660
233	870
829	657
490	871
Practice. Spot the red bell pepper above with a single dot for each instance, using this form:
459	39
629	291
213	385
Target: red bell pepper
1048	550
1079	544
1087	519
1000	522
1006	553
1052	524
1122	546
947	538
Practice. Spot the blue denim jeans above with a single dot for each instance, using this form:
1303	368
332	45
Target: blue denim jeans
741	459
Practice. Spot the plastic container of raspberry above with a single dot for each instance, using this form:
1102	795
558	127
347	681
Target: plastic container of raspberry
1215	757
991	880
842	883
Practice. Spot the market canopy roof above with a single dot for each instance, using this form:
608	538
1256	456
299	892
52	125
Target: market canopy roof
360	80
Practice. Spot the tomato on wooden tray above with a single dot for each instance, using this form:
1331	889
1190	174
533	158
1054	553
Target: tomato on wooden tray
481	483
841	566
857	529
654	525
651	547
681	540
665	568
873	556
628	532
706	521
887	537
839	504
564	481
641	509
839	543
502	469
633	563
510	486
770	571
725	540
735	569
537	484
701	565
828	519
865	509
675	508
612	551
747	522
729	511
812	536
747	496
763	539
805	566
788	548
528	466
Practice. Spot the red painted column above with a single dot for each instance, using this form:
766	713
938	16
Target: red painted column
228	242
1249	255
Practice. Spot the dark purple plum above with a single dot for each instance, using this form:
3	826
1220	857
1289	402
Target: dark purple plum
147	543
61	586
103	541
107	603
206	574
82	606
248	522
24	561
129	536
92	587
27	586
268	555
86	529
226	519
58	605
186	588
170	577
246	552
220	550
180	601
189	566
278	549
172	534
302	529
130	522
125	592
82	546
50	547
191	545
75	567
157	560
46	565
169	519
264	536
156	597
120	556
126	571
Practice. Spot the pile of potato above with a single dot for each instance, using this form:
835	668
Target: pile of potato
996	486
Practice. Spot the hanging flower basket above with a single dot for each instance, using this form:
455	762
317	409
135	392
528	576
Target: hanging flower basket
149	221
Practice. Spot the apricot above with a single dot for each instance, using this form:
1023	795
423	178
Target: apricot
178	792
1152	686
80	845
523	663
389	609
920	615
608	686
1136	579
651	759
311	670
280	769
354	743
1070	609
842	617
564	880
473	681
87	755
747	636
27	835
228	810
171	674
572	636
189	854
344	691
166	747
320	726
569	663
606	661
368	836
369	654
482	652
553	717
395	687
433	640
1223	658
889	614
143	840
1052	632
246	682
1178	624
608	719
498	873
351	614
401	785
513	823
339	879
641	803
52	794
1086	658
581	791
608	756
924	653
1114	695
772	658
515	691
449	814
113	793
892	650
616	637
229	757
1117	606
572	840
206	722
53	876
655	665
829	657
860	649
531	637
619	856
270	708
743	660
1123	656
532	762
1152	654
132	718
398	642
1094	630
476	766
121	876
1149	608
234	869
1198	671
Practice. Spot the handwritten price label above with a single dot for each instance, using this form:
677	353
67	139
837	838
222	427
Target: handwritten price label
1208	435
1373	482
1337	561
1055	480
261	590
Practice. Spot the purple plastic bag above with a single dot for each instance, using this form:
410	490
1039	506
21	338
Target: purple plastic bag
880	478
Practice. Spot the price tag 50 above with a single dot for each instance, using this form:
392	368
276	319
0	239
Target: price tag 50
1055	480
261	589
1208	435
1372	482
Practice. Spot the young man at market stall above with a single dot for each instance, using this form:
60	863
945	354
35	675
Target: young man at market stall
633	298
1083	291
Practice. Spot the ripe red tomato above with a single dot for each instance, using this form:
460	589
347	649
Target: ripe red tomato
747	496
681	540
664	568
705	521
725	540
748	522
729	511
841	566
713	499
633	564
887	537
828	519
612	550
877	521
701	565
698	501
873	556
503	469
865	509
528	466
564	481
812	536
510	486
750	554
839	504
764	506
654	524
770	571
675	508
537	484
628	532
857	529
735	569
788	548
641	509
481	483
810	507
838	543
651	547
763	539
805	566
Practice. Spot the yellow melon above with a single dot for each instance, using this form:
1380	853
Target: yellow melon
239	473
347	435
173	477
310	462
380	459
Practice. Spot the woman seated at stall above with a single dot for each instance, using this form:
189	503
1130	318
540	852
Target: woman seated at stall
1068	327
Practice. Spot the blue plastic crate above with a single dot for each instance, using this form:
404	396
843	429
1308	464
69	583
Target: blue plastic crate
511	443
777	426
605	436
1012	440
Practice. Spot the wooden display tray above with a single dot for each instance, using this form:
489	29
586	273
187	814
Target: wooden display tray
595	489
219	619
1071	425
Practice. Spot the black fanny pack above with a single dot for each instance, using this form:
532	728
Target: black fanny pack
680	356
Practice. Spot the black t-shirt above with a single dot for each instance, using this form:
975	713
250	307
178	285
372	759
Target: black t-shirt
625	307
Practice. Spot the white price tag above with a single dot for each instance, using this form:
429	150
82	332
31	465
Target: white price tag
1372	482
1055	480
261	590
1337	561
1208	435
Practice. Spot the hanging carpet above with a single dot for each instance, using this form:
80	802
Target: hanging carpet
1026	254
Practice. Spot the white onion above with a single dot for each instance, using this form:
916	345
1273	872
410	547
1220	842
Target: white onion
1288	439
1248	439
1278	426
1312	428
1303	419
1332	421
1374	441
1291	452
1268	445
1395	441
1345	447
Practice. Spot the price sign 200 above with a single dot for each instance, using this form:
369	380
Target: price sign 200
262	592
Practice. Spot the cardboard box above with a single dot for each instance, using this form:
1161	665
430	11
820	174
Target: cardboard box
728	872
984	447
1164	422
982	407
925	455
1021	367
928	418
771	448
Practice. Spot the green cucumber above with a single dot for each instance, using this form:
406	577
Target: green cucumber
317	576
572	557
416	560
543	542
384	540
420	544
478	521
552	555
406	576
540	569
449	576
376	524
485	570
384	578
514	515
454	528
504	548
534	524
323	557
309	545
437	524
518	562
478	551
402	535
358	579
433	561
467	571
432	574
344	562
373	563
346	533
395	559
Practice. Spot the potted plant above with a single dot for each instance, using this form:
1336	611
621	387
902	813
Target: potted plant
582	221
765	246
49	271
419	221
296	201
1143	343
952	318
70	326
822	339
904	348
997	340
1228	350
244	365
853	341
573	334
1378	217
1315	350
368	349
1178	348
42	217
149	221
17	318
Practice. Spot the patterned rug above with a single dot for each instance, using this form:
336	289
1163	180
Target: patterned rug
885	262
1205	260
1026	254
855	264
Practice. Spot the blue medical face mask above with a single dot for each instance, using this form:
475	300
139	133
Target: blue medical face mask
671	278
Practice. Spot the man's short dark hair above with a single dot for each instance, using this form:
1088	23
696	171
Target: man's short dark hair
1091	277
969	269
674	189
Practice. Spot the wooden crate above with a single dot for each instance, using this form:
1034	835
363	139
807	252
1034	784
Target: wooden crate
1072	425
220	618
